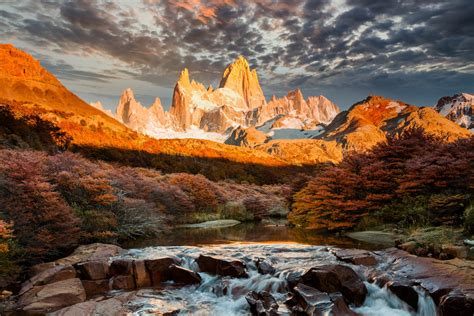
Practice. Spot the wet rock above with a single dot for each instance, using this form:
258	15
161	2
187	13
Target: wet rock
91	252
355	256
405	292
140	273
456	304
437	277
262	303
181	275
123	282
111	306
159	269
336	278
340	307
264	266
93	270
221	266
310	301
53	296
121	267
96	287
55	274
293	278
379	278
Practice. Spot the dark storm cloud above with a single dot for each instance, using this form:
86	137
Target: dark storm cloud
359	44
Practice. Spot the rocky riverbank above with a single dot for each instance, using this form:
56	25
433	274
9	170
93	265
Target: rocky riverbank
260	279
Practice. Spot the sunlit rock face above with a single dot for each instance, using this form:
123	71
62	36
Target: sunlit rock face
197	111
458	108
240	78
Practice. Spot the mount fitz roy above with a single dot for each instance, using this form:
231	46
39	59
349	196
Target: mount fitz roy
238	103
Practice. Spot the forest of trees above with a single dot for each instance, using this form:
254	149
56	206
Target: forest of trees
413	179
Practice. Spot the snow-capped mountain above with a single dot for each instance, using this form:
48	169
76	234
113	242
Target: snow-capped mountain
459	108
238	102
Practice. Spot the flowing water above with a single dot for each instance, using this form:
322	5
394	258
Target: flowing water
289	251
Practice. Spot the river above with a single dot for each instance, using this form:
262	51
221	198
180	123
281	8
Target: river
290	251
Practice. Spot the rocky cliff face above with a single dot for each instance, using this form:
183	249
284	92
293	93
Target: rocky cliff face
240	78
458	108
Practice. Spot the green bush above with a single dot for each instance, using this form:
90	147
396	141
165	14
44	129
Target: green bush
235	210
469	218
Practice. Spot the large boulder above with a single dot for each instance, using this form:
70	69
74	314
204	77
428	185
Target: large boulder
91	252
405	292
221	266
159	269
54	274
53	296
456	303
184	276
307	300
123	282
336	278
262	303
93	270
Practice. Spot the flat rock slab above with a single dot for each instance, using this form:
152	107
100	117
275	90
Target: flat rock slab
92	252
438	277
213	224
355	256
385	239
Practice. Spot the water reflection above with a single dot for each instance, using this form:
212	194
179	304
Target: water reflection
263	232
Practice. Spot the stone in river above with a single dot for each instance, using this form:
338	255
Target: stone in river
221	266
405	292
262	303
181	275
336	278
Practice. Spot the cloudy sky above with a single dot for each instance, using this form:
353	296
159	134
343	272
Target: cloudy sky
415	51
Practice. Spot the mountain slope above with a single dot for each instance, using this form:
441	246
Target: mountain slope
29	89
370	121
459	108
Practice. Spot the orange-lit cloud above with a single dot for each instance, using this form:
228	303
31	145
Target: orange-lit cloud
204	10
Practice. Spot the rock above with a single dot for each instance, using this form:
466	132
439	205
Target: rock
437	277
456	304
5	294
121	267
375	237
55	274
336	278
307	300
111	306
34	270
340	307
405	292
247	137
455	251
53	296
91	252
93	270
181	275
355	256
262	303
159	269
140	273
123	282
95	287
264	266
213	224
221	266
408	246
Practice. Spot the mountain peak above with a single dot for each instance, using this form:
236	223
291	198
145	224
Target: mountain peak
239	77
184	77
